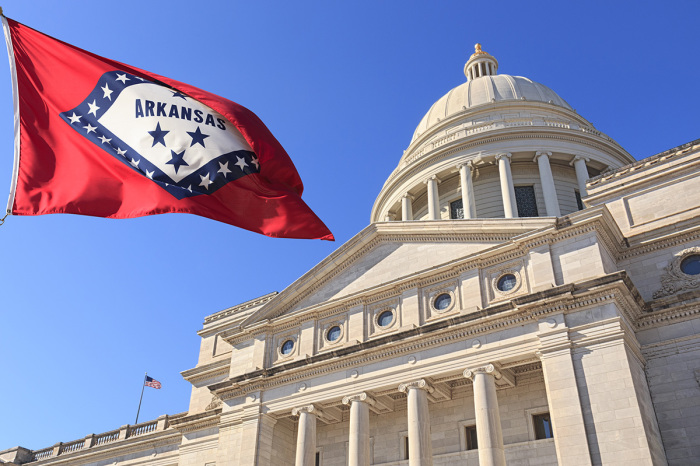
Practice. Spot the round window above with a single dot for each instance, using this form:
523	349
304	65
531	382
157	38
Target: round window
691	265
333	333
385	318
507	282
442	302
287	347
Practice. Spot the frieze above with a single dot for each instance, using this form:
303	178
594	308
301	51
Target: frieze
516	315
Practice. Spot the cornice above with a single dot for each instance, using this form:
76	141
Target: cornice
207	371
615	287
627	170
234	310
198	421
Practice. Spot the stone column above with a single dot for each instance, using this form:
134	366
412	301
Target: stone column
358	449
465	181
420	450
390	217
551	203
407	207
581	174
510	208
306	435
433	198
489	435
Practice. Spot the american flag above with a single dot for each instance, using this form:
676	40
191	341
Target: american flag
151	382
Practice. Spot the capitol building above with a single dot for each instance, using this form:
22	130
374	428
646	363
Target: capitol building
526	293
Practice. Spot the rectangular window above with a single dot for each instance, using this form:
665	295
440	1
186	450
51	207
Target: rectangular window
318	458
457	209
405	448
579	202
525	199
543	426
470	432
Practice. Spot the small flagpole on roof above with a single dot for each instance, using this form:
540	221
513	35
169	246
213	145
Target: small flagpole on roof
143	385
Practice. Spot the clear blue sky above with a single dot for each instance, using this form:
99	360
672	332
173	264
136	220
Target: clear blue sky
87	305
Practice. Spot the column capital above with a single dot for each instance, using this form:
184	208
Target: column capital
421	384
540	153
489	369
432	178
408	196
311	409
363	397
469	164
579	157
504	155
390	216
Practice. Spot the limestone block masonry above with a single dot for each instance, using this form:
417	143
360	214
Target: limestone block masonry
568	335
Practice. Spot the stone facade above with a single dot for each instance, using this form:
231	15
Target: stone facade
571	338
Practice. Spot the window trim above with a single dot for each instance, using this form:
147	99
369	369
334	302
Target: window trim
462	426
530	418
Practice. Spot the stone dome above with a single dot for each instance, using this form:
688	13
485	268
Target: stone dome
487	90
496	146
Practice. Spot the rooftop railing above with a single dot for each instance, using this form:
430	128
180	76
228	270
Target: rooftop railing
93	440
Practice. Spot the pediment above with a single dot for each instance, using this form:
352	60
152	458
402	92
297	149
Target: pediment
391	252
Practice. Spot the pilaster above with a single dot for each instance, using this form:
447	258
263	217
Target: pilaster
562	393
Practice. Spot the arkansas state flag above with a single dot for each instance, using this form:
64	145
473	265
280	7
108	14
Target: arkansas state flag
97	137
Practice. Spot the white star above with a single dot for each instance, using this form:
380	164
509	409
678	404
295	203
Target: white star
135	163
189	188
137	77
223	168
74	119
93	108
255	162
122	78
149	174
104	139
241	162
107	91
205	181
90	128
121	152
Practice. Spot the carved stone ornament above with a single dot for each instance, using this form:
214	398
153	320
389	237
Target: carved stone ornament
311	409
422	384
364	397
214	403
489	369
674	279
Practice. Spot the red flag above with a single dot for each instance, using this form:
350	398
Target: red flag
97	137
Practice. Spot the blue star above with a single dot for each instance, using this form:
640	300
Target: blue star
177	94
178	160
197	137
158	135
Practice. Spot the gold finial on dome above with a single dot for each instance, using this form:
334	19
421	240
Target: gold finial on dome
478	51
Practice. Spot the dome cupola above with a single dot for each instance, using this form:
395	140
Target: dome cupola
480	64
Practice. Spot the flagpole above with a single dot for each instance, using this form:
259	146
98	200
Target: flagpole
143	385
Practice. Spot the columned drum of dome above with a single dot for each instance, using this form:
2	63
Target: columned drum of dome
471	126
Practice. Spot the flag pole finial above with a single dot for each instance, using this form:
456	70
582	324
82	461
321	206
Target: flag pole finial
1	13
